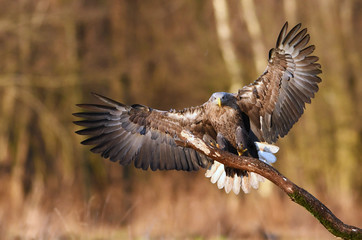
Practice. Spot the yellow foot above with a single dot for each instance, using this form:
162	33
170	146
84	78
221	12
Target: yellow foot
241	149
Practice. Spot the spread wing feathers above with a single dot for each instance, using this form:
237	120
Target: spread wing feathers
276	100
140	134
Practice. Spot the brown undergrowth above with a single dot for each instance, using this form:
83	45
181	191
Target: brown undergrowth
170	207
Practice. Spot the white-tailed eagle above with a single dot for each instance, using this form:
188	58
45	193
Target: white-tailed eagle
245	123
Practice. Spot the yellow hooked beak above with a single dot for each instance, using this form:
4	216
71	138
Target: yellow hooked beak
219	102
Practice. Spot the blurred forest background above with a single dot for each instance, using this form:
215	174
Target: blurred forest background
167	54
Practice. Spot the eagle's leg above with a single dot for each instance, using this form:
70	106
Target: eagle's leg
221	142
209	140
240	136
226	177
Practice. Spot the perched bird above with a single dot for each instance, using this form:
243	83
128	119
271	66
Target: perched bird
246	123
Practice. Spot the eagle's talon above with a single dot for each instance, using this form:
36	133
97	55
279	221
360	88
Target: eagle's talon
241	150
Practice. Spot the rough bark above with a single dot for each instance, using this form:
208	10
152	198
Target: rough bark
296	193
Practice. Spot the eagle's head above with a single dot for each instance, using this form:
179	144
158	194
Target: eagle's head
222	99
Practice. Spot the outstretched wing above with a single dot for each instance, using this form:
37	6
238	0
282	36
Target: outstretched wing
142	134
276	100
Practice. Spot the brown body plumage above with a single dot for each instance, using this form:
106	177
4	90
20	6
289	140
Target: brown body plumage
261	111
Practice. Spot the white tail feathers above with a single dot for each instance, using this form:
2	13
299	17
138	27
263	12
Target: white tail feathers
217	172
237	184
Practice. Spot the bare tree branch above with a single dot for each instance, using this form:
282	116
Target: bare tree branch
296	193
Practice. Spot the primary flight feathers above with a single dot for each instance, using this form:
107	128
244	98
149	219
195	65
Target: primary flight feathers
260	112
